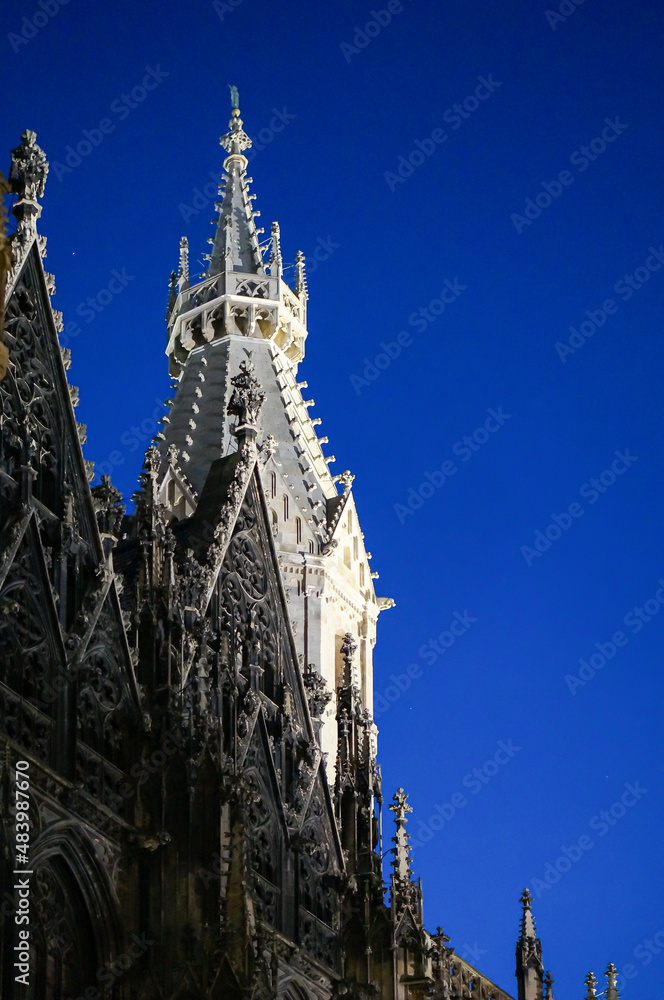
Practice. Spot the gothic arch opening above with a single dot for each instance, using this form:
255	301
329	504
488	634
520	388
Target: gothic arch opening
75	924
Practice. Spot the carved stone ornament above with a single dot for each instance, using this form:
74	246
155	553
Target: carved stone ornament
29	168
248	396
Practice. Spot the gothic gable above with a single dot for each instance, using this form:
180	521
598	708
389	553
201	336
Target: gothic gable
37	425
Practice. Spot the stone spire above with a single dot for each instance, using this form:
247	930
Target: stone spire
183	269
276	260
235	245
611	977
590	983
529	968
301	289
405	891
548	986
401	864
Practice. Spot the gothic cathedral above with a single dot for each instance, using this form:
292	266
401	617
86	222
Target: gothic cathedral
186	690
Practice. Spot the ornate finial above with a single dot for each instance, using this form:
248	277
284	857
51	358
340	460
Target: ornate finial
611	974
183	270
318	695
26	178
300	277
276	261
591	983
172	295
527	920
346	479
248	396
348	647
270	446
29	168
108	507
401	864
548	986
237	139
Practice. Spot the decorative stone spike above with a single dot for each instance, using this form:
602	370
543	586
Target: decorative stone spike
172	294
27	178
348	648
183	271
276	260
527	919
301	277
591	983
401	864
612	992
548	986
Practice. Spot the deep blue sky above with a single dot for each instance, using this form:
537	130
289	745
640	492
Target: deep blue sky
323	177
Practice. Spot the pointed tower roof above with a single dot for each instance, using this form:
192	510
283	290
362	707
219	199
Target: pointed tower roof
235	245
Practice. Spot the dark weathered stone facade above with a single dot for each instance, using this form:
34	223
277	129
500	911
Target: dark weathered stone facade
184	839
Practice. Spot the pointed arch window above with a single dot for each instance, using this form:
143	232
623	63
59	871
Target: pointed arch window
273	484
285	506
298	530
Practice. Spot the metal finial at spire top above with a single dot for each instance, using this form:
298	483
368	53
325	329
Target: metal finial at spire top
235	141
235	98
